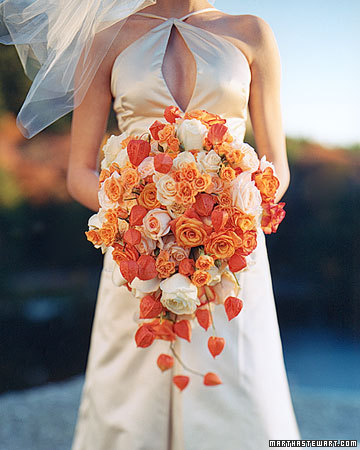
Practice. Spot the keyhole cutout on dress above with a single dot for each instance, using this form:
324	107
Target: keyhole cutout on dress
179	69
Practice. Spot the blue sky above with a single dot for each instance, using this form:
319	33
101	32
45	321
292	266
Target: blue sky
319	45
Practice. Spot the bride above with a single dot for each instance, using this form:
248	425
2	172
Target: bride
188	54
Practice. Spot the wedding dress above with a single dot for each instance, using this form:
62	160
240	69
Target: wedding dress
127	403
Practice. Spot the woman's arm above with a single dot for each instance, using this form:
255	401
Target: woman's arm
87	130
264	102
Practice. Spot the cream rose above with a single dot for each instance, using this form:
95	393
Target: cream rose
245	195
156	223
176	252
264	164
147	245
209	161
140	288
96	220
146	167
182	160
117	278
191	134
165	189
112	149
179	295
227	287
250	160
215	275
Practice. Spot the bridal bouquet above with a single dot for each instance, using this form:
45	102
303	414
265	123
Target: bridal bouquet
180	209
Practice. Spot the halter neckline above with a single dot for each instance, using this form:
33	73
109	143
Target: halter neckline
154	16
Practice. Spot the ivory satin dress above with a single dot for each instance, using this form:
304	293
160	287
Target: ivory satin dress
127	403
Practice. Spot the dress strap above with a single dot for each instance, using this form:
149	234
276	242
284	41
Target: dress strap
154	16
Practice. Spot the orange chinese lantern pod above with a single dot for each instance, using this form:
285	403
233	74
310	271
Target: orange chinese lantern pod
149	307
138	150
144	336
147	267
211	379
163	163
129	270
216	133
186	267
203	317
165	362
219	217
204	204
181	381
172	113
237	262
155	128
216	345
137	215
183	329
132	237
163	330
233	306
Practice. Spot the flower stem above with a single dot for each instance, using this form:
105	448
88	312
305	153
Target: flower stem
212	319
195	372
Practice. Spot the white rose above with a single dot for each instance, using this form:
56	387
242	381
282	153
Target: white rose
156	223
117	278
191	134
215	275
209	161
147	245
176	252
182	159
146	167
179	295
227	287
165	189
111	149
264	164
250	160
140	288
245	195
96	220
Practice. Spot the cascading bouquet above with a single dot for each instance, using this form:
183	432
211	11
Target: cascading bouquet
180	209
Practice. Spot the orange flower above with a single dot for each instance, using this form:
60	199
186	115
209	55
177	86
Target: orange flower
189	172
185	194
272	216
188	232
166	133
248	243
129	178
246	222
205	117
108	233
234	156
222	244
104	174
216	186
111	216
114	189
202	182
200	278
204	262
164	266
267	183
225	199
124	253
173	145
94	237
148	198
227	173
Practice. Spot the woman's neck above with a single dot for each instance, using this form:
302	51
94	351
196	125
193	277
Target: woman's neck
176	8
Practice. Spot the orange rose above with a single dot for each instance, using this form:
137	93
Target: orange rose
173	145
108	233
225	199
205	117
114	189
267	183
167	132
223	244
248	243
202	182
148	197
234	156
124	253
227	173
246	222
189	232
200	278
164	266
94	237
185	194
130	178
204	262
104	174
216	186
189	172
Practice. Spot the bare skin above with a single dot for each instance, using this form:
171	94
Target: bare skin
251	34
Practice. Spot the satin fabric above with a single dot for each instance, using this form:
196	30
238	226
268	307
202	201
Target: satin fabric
127	403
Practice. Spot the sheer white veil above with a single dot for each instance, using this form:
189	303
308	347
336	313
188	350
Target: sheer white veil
55	39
